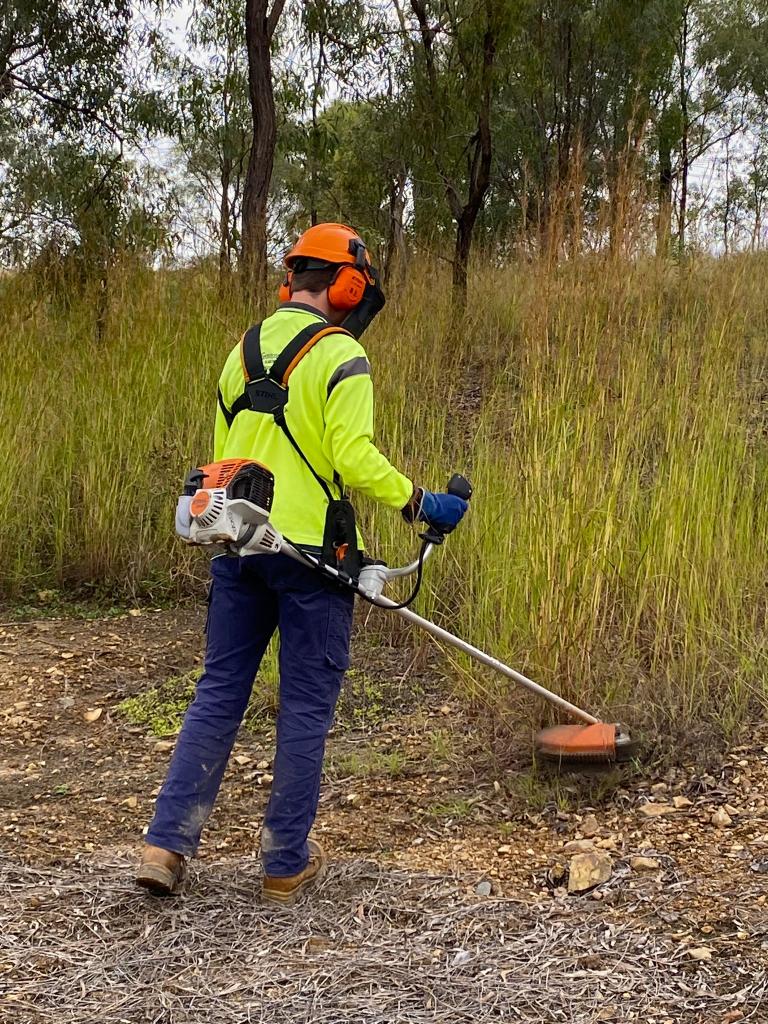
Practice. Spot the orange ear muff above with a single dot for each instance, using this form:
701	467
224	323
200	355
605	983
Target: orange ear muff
284	295
347	287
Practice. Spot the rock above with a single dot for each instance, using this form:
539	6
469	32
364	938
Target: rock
644	864
163	746
587	870
483	888
241	759
721	818
608	843
590	826
579	846
504	849
681	802
700	953
656	810
760	867
659	787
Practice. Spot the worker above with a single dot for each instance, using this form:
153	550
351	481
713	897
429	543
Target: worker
322	445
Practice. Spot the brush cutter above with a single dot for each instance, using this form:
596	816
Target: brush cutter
226	505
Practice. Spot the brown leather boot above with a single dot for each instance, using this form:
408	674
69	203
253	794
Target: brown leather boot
286	891
161	871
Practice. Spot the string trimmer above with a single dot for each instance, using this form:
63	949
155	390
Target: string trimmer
228	505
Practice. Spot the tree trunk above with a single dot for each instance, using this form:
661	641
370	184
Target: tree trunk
259	28
224	235
464	231
479	176
664	221
686	127
480	149
727	198
394	254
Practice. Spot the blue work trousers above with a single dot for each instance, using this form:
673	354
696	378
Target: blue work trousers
249	599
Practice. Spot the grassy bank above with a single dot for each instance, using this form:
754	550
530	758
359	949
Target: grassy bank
613	420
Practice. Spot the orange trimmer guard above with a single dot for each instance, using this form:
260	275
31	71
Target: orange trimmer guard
578	742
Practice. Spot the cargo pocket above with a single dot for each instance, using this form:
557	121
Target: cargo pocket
339	632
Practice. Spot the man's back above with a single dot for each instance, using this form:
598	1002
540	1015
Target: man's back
330	415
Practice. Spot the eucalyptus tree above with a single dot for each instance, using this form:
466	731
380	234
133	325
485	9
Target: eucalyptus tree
213	120
456	58
74	99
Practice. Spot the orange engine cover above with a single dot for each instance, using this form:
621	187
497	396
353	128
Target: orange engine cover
219	474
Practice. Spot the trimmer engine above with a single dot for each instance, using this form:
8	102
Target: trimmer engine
228	504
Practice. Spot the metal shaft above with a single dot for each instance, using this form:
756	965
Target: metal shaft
455	641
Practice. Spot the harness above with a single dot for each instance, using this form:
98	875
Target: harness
267	392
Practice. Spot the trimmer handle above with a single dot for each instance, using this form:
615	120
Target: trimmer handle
460	486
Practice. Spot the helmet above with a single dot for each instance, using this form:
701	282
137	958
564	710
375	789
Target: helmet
338	245
331	243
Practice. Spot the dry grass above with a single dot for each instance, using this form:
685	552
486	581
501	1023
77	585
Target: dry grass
79	944
613	418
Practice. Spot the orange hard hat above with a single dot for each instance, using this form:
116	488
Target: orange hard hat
332	243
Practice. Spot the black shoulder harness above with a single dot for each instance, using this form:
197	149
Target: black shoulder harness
267	392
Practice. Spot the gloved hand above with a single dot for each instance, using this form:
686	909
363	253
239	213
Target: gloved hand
444	512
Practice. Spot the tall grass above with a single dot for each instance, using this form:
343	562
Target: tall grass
613	419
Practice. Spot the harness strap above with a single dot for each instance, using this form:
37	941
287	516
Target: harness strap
252	363
297	348
250	354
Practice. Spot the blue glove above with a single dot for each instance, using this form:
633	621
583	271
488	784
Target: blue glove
444	512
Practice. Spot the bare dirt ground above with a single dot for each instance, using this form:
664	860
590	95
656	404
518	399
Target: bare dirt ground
447	901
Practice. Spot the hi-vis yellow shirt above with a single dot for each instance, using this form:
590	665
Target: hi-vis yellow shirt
330	414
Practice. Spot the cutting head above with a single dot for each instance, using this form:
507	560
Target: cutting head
600	743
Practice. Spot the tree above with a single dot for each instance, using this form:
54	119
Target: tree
453	69
261	22
214	120
361	175
69	85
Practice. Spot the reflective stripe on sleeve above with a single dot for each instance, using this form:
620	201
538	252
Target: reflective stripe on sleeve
352	368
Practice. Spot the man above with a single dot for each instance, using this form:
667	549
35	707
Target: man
323	440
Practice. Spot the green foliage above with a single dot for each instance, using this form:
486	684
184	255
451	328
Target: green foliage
456	808
162	708
72	97
363	702
212	121
369	763
359	155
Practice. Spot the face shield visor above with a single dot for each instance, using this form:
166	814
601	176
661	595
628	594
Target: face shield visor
373	299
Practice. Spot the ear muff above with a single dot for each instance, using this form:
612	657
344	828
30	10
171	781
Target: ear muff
347	287
284	295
